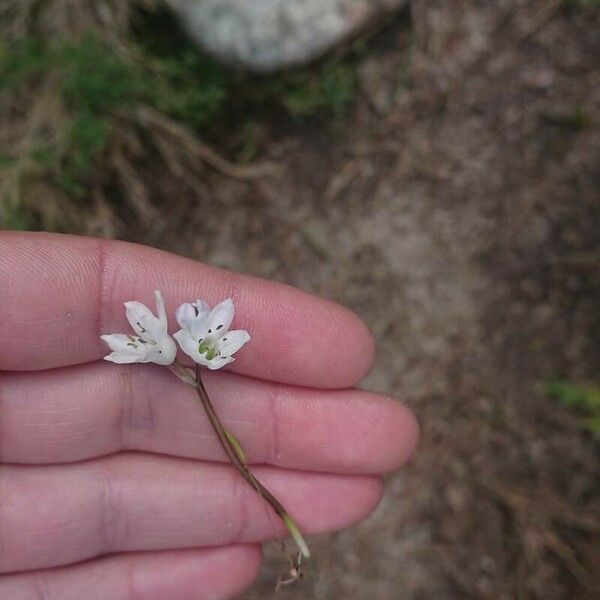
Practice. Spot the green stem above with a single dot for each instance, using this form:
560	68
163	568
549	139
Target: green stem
236	446
233	455
296	535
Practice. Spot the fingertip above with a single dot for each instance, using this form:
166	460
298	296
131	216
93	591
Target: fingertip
412	434
356	498
385	434
248	560
404	432
223	573
372	492
309	342
364	339
348	348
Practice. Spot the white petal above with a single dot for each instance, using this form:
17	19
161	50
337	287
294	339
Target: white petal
117	342
199	327
231	342
202	360
189	312
123	349
188	344
185	315
123	359
202	307
161	311
220	318
218	362
144	323
164	352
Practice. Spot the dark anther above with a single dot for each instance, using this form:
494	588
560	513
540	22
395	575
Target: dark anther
210	331
219	327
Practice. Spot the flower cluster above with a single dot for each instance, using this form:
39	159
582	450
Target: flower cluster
203	335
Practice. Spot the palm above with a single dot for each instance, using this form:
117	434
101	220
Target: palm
99	459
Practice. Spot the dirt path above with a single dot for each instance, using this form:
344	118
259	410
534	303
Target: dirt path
456	210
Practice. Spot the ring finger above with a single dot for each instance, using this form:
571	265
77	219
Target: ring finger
57	515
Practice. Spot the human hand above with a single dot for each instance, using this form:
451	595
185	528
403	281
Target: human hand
112	483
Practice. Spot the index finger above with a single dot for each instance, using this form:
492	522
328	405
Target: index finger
59	293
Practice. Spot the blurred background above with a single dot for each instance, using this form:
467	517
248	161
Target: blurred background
432	165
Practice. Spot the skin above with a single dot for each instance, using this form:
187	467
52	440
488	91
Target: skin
112	482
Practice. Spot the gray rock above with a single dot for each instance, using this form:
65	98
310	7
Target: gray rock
267	35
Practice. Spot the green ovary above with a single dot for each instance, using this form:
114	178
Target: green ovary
209	351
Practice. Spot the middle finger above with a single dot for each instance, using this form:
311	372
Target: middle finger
78	413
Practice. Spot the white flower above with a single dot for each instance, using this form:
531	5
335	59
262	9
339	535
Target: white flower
204	335
152	344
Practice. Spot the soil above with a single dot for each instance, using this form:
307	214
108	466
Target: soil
456	209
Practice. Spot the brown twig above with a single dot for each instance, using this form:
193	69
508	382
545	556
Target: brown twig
193	147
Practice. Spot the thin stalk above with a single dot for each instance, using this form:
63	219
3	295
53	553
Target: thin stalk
184	374
233	453
236	446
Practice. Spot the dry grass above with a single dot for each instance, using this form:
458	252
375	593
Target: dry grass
111	19
38	116
537	519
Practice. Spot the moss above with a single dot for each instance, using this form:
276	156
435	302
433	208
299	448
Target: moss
14	217
189	88
22	61
95	79
582	398
326	90
94	82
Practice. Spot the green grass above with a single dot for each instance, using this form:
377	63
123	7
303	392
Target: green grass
189	88
582	398
328	90
97	86
94	83
14	217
